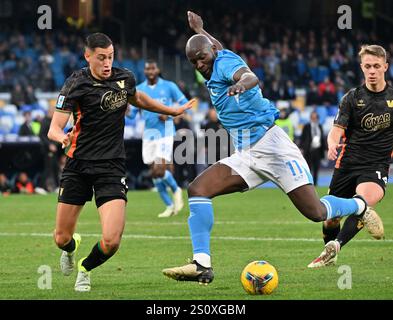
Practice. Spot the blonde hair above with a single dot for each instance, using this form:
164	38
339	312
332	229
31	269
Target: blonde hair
374	50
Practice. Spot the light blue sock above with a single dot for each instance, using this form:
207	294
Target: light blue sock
200	223
161	188
339	207
170	180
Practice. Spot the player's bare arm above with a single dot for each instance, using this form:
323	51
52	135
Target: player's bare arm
196	24
143	101
333	140
244	79
56	130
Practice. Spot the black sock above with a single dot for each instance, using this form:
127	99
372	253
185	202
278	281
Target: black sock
95	258
330	234
351	227
70	246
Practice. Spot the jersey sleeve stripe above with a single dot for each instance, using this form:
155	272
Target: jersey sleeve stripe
338	162
62	111
71	150
339	126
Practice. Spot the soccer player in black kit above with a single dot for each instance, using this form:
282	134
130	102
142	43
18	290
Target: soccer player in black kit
98	97
364	122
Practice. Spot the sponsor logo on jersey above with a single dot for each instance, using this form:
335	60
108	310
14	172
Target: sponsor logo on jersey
361	103
111	101
389	103
371	122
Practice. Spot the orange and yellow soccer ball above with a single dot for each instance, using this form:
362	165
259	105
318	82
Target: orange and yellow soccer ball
259	277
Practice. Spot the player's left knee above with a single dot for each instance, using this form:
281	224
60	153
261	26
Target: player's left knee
111	245
61	238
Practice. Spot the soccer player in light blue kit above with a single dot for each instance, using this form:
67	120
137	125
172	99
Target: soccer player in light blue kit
157	143
263	152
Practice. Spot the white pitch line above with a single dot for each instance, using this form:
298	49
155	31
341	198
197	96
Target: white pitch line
153	237
173	223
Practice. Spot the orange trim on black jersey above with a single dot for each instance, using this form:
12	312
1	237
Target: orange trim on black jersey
338	162
71	150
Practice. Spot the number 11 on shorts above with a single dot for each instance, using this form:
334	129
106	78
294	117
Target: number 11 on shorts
294	166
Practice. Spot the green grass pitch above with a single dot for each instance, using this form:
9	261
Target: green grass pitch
261	224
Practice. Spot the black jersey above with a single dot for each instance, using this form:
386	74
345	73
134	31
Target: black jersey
98	108
366	117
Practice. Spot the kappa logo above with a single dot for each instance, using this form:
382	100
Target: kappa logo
213	93
389	103
120	84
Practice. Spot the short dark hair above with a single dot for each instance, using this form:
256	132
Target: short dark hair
98	40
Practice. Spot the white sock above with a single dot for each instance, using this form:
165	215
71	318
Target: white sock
203	259
361	206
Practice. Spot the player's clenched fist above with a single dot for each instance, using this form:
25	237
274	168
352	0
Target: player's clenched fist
195	21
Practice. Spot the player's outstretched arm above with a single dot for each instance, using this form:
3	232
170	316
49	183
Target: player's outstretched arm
244	79
196	24
143	101
333	140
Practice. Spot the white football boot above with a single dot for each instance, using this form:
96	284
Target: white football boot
169	211
82	283
328	256
67	259
178	202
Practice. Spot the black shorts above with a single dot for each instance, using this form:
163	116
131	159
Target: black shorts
81	178
344	182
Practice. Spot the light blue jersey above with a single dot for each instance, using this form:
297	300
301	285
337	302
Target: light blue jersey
168	93
246	116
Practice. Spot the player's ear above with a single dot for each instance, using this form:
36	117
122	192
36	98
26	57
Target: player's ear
214	48
87	54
